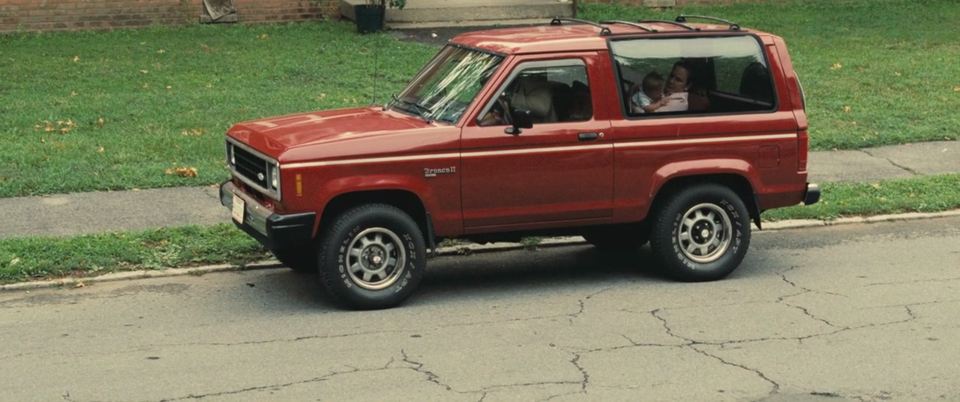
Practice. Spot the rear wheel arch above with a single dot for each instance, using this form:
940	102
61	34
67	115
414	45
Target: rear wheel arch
739	183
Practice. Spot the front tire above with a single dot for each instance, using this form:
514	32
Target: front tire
701	233
371	257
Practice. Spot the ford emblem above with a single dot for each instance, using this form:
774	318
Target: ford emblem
260	176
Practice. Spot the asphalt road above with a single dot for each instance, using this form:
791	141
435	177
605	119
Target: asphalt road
858	312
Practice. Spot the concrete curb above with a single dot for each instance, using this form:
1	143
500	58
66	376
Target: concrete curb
79	282
808	223
465	249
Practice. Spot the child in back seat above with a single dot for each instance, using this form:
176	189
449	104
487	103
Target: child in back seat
650	96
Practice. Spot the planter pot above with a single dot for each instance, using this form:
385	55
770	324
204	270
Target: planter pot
369	18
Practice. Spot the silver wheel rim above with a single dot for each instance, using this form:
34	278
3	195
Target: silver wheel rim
375	258
705	233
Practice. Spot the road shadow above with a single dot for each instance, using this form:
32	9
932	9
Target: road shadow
559	268
482	275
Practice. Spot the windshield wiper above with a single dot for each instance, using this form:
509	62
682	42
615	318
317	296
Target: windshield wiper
421	110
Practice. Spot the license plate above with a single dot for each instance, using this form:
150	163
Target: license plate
239	206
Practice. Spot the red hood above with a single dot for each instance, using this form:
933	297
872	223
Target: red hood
274	135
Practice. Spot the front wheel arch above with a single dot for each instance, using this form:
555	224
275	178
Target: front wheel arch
406	201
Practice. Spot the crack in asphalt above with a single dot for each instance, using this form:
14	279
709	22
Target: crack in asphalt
526	384
803	290
534	318
913	281
569	316
221	344
783	276
586	376
692	343
431	376
583	306
583	382
800	339
434	378
283	340
916	304
266	387
411	365
775	385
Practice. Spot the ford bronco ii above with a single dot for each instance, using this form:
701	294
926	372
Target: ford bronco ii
666	132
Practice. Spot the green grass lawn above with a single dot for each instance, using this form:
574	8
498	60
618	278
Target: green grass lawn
46	257
116	110
922	194
123	107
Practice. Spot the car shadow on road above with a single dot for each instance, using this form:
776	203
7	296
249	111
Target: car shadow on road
559	269
501	275
498	274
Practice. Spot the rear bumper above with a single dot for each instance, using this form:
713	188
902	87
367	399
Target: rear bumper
812	194
274	231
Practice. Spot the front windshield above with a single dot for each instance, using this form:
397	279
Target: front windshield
446	86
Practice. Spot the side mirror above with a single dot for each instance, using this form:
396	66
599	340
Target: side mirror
520	119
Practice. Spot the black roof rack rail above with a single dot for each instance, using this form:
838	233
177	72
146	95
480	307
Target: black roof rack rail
676	23
604	31
633	24
733	25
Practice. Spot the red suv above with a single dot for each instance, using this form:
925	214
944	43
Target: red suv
624	132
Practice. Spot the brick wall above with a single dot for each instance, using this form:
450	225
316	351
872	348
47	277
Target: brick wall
53	15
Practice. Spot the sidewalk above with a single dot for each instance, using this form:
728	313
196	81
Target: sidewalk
112	211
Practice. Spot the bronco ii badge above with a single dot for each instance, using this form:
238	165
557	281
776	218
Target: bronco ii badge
431	172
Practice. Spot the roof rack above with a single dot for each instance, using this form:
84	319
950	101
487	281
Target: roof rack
733	26
676	23
604	31
633	24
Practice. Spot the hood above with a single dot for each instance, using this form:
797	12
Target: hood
275	135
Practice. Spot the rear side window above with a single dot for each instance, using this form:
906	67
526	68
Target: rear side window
693	75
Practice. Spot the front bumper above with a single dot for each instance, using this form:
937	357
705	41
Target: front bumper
274	231
812	195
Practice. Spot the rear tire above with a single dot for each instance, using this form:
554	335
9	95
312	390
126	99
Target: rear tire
701	233
371	257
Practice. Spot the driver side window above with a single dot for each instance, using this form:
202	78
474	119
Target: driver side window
553	92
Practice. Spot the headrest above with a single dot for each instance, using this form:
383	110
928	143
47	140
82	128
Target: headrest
535	96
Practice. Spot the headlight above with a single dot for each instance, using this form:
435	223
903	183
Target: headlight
275	177
231	160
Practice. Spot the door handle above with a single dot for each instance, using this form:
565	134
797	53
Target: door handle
589	136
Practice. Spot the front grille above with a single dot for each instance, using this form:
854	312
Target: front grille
250	166
254	169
